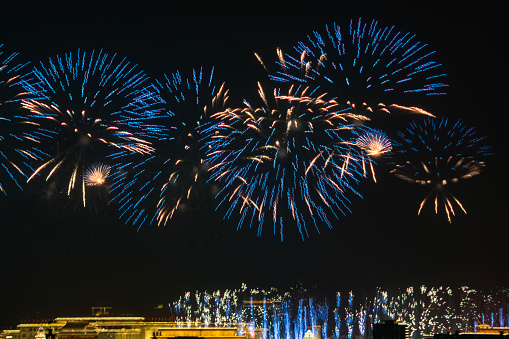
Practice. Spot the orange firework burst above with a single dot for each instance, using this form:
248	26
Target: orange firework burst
96	174
439	153
374	143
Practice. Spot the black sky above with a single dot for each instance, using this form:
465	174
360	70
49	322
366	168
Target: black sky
63	265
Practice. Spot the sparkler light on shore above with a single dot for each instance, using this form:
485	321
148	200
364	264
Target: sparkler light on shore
290	159
89	105
151	189
425	309
365	66
437	154
17	143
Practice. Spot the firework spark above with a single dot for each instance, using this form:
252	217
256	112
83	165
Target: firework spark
437	155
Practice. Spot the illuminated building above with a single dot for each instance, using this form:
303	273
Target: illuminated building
309	334
487	329
9	334
105	327
41	333
482	331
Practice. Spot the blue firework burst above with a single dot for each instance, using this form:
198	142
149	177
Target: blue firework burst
89	105
150	189
18	144
289	161
365	66
437	154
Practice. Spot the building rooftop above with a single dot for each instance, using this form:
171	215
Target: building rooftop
100	319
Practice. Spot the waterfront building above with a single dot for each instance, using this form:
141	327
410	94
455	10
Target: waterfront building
482	331
487	329
105	327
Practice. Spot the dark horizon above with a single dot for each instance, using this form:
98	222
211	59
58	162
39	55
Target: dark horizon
72	262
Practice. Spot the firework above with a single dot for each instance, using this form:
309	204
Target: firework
96	174
437	155
424	309
374	144
88	106
17	143
365	66
151	189
288	159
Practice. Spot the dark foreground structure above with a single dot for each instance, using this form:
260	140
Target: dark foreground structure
390	329
483	331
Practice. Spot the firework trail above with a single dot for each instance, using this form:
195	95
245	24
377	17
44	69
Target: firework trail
152	188
291	158
88	106
17	143
437	154
365	66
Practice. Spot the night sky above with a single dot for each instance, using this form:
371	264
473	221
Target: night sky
56	263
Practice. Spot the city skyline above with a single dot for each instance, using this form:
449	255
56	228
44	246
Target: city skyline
95	258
